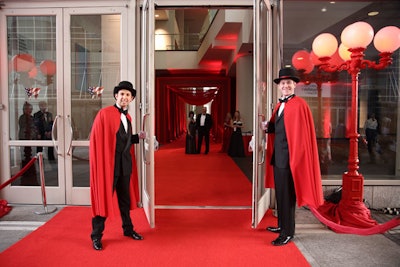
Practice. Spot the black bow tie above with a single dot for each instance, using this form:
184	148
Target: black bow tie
286	99
121	110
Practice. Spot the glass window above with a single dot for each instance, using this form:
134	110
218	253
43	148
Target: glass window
31	49
95	68
329	94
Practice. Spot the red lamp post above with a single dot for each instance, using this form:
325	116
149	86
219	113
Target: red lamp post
356	37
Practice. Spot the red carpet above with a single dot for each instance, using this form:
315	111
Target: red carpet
198	179
181	238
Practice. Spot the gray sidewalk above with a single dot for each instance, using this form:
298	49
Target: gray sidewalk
319	245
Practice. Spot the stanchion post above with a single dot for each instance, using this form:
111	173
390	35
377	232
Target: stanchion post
43	187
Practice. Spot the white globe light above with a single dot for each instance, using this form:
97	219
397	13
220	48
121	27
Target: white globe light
387	39
324	45
359	34
344	52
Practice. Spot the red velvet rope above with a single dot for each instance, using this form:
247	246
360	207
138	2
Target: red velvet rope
362	230
15	177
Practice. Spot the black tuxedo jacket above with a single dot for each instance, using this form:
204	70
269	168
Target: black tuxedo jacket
207	123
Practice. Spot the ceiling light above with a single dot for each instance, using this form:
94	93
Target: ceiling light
324	9
373	13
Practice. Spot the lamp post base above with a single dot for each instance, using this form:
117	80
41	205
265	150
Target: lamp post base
351	210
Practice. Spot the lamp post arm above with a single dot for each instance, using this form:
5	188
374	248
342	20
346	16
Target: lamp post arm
385	59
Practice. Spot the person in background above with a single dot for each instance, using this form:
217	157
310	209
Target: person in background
371	134
27	131
191	135
236	146
226	138
113	172
204	124
292	163
44	123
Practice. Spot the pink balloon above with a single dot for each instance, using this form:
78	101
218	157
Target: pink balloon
33	72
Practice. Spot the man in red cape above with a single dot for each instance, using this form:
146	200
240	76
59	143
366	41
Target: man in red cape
113	170
292	157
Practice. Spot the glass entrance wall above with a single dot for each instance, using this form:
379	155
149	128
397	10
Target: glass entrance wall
95	70
329	94
32	94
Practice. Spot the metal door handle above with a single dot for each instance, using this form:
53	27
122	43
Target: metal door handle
72	133
53	138
145	161
262	143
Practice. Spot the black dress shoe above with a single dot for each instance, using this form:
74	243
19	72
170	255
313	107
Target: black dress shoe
134	235
282	240
97	244
274	229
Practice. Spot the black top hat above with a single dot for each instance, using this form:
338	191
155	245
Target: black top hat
125	85
287	73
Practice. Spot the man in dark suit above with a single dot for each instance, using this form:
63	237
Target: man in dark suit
113	170
204	124
292	157
44	122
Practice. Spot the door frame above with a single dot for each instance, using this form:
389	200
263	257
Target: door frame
81	195
261	201
31	194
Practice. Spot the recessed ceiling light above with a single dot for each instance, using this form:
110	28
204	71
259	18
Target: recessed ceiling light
324	9
373	13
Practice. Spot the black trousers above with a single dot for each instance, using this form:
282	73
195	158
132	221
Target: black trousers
203	132
124	203
285	200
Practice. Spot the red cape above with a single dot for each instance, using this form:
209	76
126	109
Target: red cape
101	158
303	153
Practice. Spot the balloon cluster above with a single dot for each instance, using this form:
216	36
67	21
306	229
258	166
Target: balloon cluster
26	63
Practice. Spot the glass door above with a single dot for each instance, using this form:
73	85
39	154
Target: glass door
262	93
147	108
62	67
92	64
32	111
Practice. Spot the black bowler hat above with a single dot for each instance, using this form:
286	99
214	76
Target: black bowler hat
287	73
125	85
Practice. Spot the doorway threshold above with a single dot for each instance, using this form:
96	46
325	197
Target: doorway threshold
203	207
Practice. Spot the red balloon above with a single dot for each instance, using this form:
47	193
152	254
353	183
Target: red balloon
315	59
33	72
48	67
22	63
301	60
335	59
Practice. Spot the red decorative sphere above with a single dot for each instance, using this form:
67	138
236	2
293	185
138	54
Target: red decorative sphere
301	60
48	67
22	63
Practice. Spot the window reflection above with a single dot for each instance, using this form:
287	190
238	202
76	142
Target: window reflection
329	96
95	68
80	166
31	50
